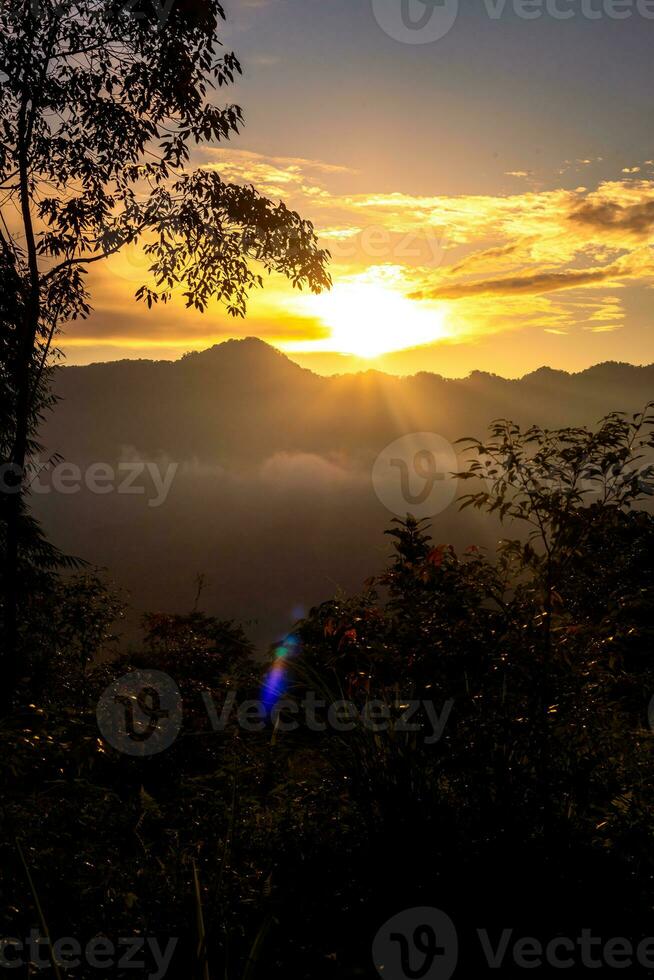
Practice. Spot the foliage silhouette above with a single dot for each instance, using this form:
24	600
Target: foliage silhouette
532	811
100	110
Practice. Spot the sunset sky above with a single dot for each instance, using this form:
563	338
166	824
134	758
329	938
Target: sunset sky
488	197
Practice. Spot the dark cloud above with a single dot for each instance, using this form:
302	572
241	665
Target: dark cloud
545	282
490	254
609	215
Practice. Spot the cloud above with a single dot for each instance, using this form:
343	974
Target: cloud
294	179
546	243
489	257
553	256
539	283
612	215
246	161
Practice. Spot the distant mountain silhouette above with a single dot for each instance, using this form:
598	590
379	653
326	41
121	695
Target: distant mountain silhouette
244	400
272	497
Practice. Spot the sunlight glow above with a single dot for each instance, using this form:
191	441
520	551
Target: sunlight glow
369	318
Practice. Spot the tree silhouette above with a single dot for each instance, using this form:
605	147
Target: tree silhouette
101	103
562	485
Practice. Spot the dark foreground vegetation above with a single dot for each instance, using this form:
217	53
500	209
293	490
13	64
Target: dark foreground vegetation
277	853
268	852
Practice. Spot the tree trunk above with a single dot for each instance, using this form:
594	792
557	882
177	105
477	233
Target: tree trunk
22	384
13	514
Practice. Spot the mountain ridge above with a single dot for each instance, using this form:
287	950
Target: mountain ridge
256	347
243	401
270	459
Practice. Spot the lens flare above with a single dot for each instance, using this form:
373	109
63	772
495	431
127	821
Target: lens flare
277	679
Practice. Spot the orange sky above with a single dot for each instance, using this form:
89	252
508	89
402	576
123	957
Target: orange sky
446	283
474	223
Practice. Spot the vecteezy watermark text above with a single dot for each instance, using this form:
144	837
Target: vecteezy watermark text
423	942
319	715
100	953
131	477
141	714
427	21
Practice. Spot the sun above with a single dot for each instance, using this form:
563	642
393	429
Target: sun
370	318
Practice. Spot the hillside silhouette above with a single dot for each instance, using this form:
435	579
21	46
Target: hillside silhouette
264	445
244	400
